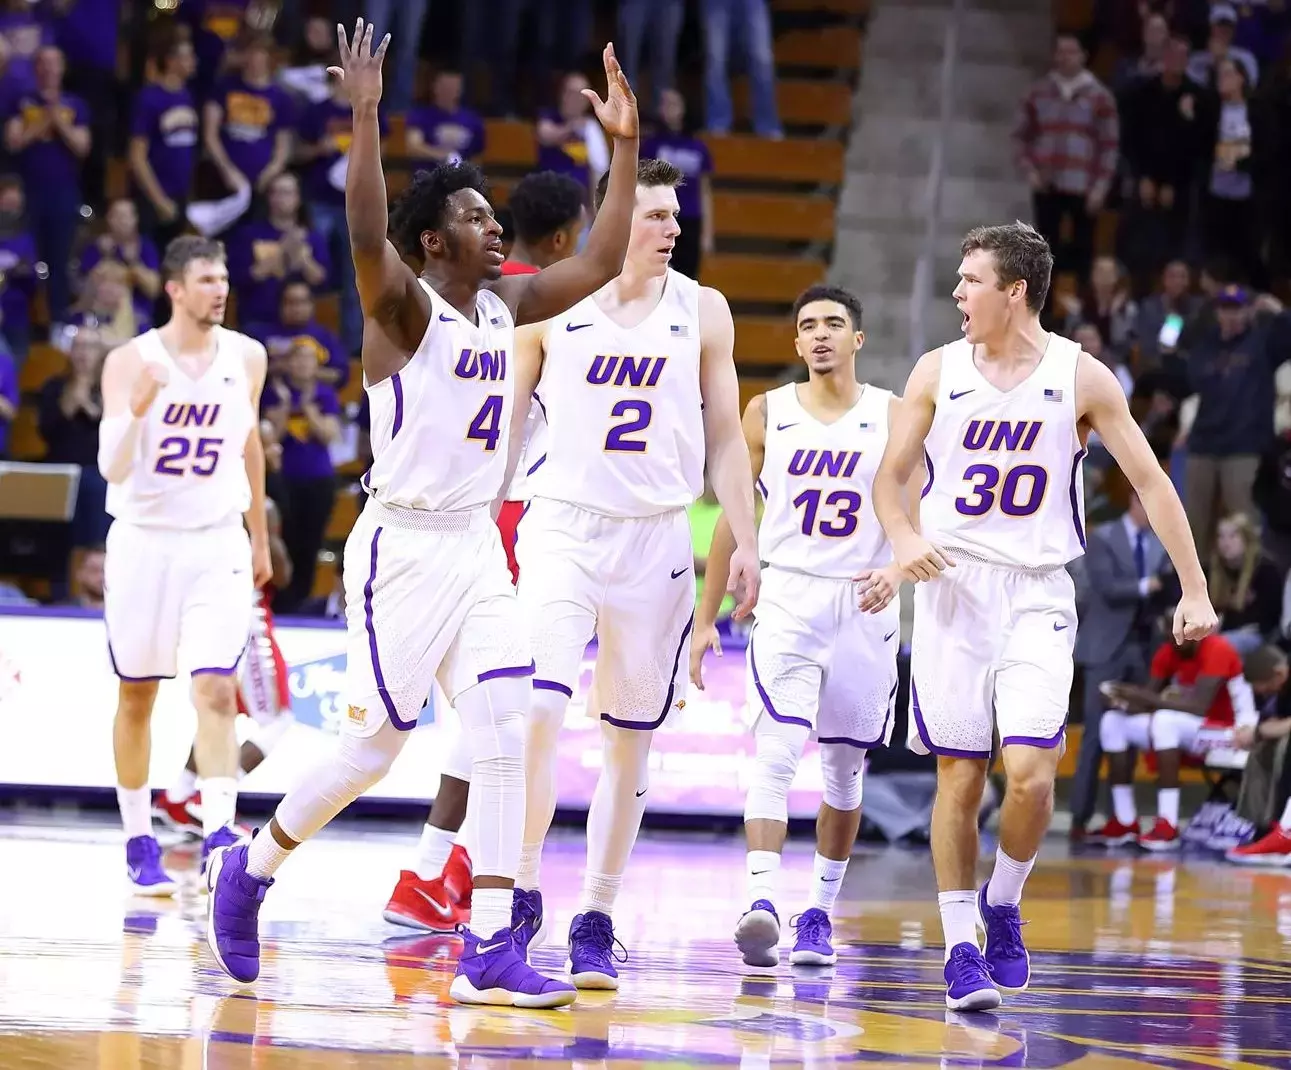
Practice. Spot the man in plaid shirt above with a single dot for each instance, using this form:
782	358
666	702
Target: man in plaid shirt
1067	139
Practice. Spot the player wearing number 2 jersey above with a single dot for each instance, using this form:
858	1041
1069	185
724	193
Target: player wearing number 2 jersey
638	386
180	448
427	591
1001	418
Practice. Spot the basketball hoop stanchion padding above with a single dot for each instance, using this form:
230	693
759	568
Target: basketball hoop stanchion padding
38	492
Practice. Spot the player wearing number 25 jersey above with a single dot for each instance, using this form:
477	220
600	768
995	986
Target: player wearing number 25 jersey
638	386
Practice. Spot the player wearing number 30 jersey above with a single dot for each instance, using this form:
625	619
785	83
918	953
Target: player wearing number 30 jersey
638	386
1002	417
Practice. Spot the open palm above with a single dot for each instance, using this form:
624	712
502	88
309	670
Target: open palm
617	113
360	67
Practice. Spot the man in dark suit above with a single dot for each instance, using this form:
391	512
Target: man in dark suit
1123	583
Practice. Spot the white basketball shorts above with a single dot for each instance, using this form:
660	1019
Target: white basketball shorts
173	598
991	647
816	660
631	583
427	596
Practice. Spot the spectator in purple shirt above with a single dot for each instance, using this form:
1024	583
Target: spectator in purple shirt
88	31
51	136
570	140
17	268
246	125
681	148
266	254
123	243
163	141
325	134
26	33
305	414
215	27
297	327
445	130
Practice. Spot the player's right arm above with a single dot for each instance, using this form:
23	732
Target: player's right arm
917	558
388	289
717	572
130	385
528	370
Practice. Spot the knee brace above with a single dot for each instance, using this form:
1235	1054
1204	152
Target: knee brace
842	769
458	765
779	748
493	720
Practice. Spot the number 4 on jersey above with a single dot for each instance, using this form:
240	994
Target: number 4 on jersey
487	425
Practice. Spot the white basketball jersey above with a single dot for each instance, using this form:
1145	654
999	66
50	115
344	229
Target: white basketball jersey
623	407
533	455
1004	481
440	426
189	470
816	480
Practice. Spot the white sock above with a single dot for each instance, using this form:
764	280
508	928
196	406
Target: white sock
1006	881
265	855
1286	817
530	865
183	788
136	810
1168	805
826	880
958	918
219	802
490	911
599	891
761	868
1123	804
433	851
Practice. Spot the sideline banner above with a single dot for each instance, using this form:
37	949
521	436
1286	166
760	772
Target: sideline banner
58	696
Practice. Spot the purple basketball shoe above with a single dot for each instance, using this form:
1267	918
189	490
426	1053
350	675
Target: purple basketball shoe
492	972
812	946
968	980
144	869
233	912
1005	953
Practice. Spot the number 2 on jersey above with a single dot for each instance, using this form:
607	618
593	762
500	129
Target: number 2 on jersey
848	504
617	440
487	425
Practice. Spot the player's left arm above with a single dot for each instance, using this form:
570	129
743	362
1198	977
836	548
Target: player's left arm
257	361
726	451
1101	402
876	587
528	369
533	298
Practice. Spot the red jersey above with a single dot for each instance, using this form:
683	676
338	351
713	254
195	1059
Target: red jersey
514	267
1215	656
512	511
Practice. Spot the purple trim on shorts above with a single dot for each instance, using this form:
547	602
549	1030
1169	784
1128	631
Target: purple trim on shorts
1075	501
378	675
132	679
932	748
397	383
222	672
762	488
878	742
650	726
766	699
540	404
551	685
928	464
510	670
537	464
1046	743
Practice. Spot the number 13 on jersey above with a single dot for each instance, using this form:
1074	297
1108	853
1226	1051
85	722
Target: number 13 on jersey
846	503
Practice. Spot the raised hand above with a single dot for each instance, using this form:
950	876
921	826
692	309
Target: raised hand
147	385
360	67
617	113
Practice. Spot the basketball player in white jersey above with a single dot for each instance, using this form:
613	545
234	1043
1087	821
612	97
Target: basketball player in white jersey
822	662
179	446
638	386
1002	417
427	592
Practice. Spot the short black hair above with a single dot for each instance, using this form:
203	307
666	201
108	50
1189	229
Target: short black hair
650	172
1262	664
183	250
422	205
1021	254
543	203
836	294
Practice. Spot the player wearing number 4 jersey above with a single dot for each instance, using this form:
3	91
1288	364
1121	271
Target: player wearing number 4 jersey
428	593
639	390
822	660
180	448
1002	418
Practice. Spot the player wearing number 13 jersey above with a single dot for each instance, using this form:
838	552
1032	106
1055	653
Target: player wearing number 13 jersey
1002	418
638	386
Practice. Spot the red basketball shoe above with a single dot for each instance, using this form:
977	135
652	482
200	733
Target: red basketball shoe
437	905
184	817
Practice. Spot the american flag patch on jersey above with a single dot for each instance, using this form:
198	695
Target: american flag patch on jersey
1053	395
496	321
679	331
865	426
